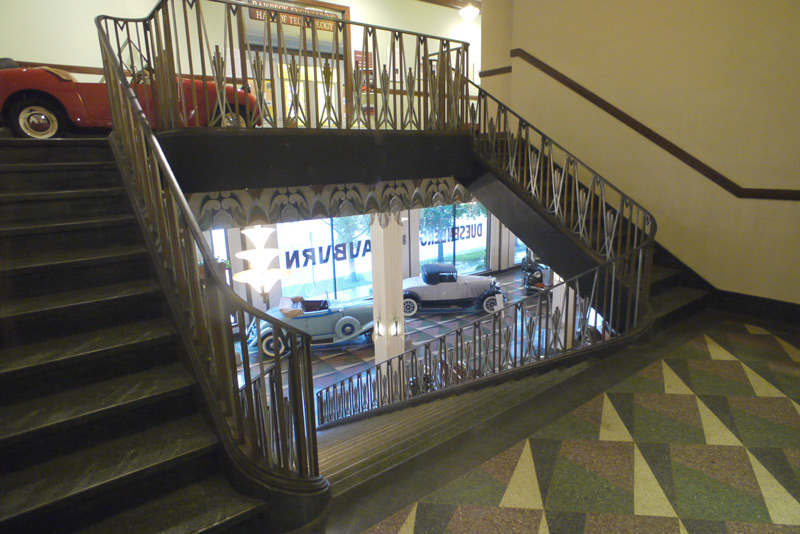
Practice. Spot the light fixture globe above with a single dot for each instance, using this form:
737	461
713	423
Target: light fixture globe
260	276
469	12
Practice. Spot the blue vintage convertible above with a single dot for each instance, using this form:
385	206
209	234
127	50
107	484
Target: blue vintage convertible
327	321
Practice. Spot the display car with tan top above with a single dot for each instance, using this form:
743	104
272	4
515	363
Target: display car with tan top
326	321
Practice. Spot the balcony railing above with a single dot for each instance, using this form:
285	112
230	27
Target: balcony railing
297	70
197	63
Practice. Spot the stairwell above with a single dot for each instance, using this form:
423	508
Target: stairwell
352	453
102	423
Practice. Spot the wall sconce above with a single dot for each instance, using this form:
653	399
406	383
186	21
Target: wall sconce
379	327
469	12
260	276
395	331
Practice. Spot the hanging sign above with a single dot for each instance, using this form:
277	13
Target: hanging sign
295	18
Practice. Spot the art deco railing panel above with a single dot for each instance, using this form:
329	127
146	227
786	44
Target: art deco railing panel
304	70
605	219
272	420
595	307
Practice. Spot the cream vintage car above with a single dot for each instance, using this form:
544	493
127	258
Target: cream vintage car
439	286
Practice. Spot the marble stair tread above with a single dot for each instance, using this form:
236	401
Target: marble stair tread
674	299
72	194
61	226
94	344
661	273
201	507
428	429
75	299
92	401
72	258
435	435
58	166
88	474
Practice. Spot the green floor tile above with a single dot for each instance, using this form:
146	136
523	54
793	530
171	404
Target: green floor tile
701	497
650	426
569	427
575	489
474	488
756	431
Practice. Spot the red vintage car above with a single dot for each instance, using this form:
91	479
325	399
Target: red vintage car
44	102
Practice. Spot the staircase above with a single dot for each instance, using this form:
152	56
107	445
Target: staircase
102	429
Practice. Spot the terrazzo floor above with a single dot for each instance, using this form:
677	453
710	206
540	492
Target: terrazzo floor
705	439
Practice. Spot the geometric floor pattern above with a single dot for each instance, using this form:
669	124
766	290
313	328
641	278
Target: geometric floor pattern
705	440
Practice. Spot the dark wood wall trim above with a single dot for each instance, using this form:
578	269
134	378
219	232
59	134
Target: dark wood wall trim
495	72
713	175
69	68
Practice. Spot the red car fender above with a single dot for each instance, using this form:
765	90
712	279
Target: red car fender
61	88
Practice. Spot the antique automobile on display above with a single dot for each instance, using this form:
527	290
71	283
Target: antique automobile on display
439	286
45	102
327	321
535	276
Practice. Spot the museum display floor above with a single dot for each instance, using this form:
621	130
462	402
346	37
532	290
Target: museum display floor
336	362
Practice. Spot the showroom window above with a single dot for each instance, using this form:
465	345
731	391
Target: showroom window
328	258
455	234
520	250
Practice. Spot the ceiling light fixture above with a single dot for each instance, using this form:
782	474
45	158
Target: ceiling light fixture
469	12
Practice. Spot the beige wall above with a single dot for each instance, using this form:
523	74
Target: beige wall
63	31
717	78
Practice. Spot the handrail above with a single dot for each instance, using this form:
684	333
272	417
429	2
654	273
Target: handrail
712	174
275	431
603	304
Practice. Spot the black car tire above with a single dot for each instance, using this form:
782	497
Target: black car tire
21	118
410	306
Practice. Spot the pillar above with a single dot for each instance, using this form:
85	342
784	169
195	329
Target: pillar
386	235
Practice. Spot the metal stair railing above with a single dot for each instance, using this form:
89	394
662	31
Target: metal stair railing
605	219
271	425
305	69
605	304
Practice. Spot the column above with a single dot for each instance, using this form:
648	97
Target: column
386	236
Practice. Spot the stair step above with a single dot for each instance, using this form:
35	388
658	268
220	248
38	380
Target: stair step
25	420
85	223
48	272
100	231
203	507
663	277
57	206
55	150
104	343
676	301
76	487
372	455
60	195
26	320
46	260
27	177
74	300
